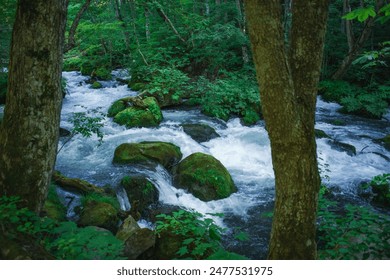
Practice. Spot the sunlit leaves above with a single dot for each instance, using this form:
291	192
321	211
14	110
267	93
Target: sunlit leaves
361	14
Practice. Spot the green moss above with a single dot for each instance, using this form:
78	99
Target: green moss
136	86
251	117
321	134
86	68
100	214
166	154
205	177
150	116
113	201
96	85
103	74
115	108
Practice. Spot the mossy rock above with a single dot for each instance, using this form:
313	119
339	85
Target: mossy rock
100	214
115	108
166	154
141	192
205	177
148	116
200	132
96	85
164	100
136	86
386	142
86	68
76	185
3	86
321	134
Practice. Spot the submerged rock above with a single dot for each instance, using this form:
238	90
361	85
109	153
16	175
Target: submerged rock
205	177
200	132
163	153
321	134
76	185
342	147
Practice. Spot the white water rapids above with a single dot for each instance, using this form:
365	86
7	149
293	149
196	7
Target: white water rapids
243	150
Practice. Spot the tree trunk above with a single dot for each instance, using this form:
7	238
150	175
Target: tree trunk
29	134
72	31
288	87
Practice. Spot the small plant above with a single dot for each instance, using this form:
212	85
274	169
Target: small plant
351	232
86	123
380	186
100	198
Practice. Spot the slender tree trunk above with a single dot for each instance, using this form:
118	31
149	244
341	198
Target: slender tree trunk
288	86
29	134
72	31
147	23
358	44
161	12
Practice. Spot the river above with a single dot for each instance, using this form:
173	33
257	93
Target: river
245	152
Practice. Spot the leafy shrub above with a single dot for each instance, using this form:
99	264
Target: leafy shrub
89	243
370	101
380	186
351	232
235	95
64	240
201	237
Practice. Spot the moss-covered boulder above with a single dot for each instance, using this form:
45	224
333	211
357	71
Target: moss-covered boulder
163	153
200	132
204	176
164	99
141	193
385	141
100	214
96	85
147	114
76	185
115	108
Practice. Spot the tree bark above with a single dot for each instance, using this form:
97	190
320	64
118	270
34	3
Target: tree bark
72	31
29	134
288	86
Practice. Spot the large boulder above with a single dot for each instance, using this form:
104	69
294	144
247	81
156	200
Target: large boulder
141	113
205	177
140	192
99	214
163	153
200	132
342	147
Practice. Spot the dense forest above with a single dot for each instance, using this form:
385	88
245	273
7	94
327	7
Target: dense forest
170	78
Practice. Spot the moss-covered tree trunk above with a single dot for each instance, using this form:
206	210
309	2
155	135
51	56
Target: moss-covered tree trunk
29	133
288	75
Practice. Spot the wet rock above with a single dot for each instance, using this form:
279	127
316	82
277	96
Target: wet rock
163	153
139	243
99	214
64	132
342	147
127	228
204	176
76	185
141	193
200	132
321	134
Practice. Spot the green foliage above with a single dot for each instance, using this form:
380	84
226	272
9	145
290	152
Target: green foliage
380	186
64	240
361	14
96	85
88	123
201	237
370	101
89	243
235	95
351	232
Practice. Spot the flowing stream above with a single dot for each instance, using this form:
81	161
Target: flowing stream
244	151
